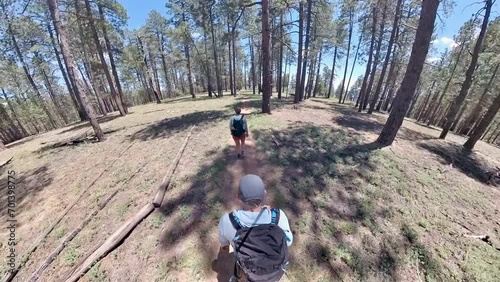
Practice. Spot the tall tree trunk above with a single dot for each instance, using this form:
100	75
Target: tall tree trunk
425	104
330	85
149	76
20	56
188	58
14	114
434	110
377	57
100	52
76	102
279	85
476	111
306	50
58	107
393	38
353	65
412	76
230	61
4	116
485	122
363	91
296	97
164	64
72	71
351	26
111	58
458	101
218	78
310	79
266	59
235	80
252	60
316	84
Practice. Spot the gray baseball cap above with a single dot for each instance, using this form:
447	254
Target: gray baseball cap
251	188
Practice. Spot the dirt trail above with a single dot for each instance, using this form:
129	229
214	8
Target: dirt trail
224	262
241	167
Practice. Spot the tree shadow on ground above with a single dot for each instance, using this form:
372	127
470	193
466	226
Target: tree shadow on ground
362	122
197	210
26	186
330	184
469	163
170	125
85	124
325	179
256	104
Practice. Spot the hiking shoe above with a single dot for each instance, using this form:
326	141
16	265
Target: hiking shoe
239	156
243	153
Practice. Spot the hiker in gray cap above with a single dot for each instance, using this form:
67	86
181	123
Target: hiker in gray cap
259	235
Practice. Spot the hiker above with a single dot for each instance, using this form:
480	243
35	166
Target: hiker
259	235
239	131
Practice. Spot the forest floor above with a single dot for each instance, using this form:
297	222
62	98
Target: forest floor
357	212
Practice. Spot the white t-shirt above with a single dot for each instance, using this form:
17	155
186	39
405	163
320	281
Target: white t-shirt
247	218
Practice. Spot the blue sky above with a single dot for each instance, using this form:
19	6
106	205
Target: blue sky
463	10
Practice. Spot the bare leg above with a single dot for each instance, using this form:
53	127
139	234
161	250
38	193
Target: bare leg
242	147
238	146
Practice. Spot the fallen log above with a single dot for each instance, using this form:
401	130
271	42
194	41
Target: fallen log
10	275
111	243
6	162
52	256
70	236
160	193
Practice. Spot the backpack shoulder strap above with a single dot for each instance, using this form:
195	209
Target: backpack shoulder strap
275	216
235	221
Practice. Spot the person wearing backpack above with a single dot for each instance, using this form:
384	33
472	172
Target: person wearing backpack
239	131
260	235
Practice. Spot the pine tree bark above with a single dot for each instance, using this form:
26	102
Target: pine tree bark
377	57
363	90
252	61
351	26
316	84
476	111
459	100
306	50
76	102
353	65
298	76
392	39
485	122
164	64
280	66
266	59
229	46
20	56
418	54
434	110
330	85
218	77
72	71
100	52
14	113
111	58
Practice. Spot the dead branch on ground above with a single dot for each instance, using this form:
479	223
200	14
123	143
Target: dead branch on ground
158	199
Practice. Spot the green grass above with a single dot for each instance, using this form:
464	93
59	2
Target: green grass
59	232
155	220
98	275
123	208
71	256
185	212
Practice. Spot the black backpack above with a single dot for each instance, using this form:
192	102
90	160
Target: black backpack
261	250
239	130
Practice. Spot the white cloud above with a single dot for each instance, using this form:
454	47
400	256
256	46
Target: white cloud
433	59
445	41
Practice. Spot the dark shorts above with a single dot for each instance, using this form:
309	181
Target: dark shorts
239	138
